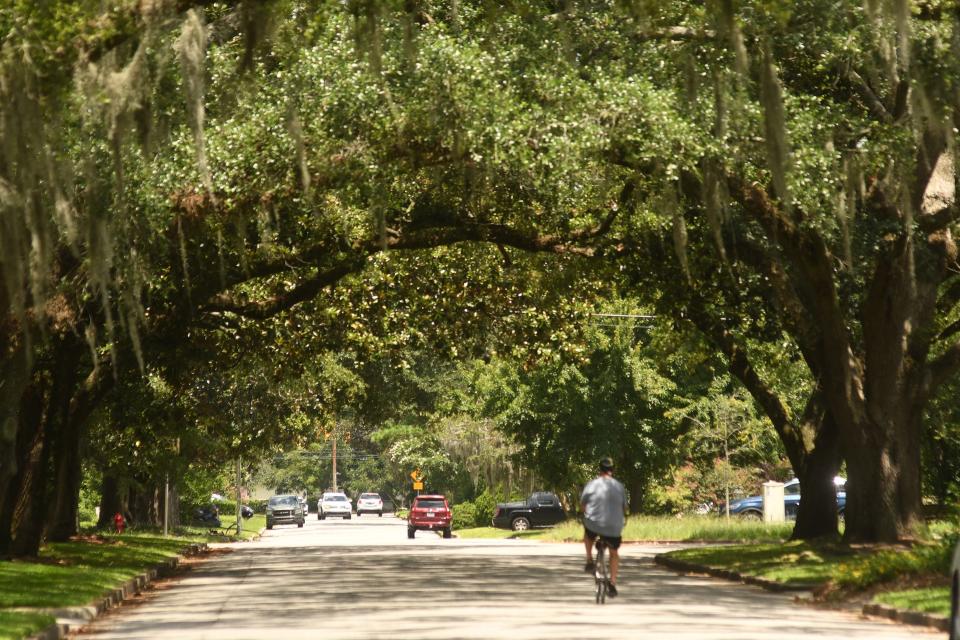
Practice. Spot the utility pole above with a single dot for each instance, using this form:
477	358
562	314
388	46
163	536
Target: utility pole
334	459
239	513
166	503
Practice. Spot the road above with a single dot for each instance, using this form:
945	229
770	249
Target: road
363	578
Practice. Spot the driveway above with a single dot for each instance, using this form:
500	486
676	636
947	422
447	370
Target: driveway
362	578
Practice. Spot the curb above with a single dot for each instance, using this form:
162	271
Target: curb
915	618
69	618
770	585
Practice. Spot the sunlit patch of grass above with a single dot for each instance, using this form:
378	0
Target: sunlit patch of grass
928	600
16	624
693	529
494	533
789	563
77	572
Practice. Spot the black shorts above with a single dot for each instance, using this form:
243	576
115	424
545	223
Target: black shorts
613	543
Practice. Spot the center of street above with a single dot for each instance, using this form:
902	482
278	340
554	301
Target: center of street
362	578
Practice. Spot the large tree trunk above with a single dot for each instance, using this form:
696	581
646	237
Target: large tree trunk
29	451
15	378
817	514
31	499
883	485
34	497
110	500
67	459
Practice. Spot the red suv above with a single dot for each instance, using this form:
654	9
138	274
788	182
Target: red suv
431	513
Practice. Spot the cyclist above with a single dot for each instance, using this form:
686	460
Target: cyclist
604	505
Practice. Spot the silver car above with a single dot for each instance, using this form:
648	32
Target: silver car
335	505
955	596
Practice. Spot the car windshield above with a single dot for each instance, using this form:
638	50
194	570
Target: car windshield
336	498
283	500
429	504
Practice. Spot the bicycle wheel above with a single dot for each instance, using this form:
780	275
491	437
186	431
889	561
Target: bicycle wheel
600	575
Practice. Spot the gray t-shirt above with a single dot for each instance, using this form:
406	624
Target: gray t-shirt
604	501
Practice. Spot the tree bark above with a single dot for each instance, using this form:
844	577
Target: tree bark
110	502
817	513
67	460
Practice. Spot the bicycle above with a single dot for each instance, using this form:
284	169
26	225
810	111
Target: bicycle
601	572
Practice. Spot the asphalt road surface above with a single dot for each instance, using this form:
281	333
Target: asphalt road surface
362	578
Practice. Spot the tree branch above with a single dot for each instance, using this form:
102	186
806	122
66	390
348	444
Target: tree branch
944	367
939	220
499	235
863	89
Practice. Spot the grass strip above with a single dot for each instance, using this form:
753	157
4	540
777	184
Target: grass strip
16	624
76	573
911	578
791	563
493	533
927	599
656	529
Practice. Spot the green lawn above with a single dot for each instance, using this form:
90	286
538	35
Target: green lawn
251	526
494	533
79	572
928	599
843	570
15	625
656	529
790	562
75	573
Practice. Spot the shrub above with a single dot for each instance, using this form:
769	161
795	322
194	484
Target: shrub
486	503
464	515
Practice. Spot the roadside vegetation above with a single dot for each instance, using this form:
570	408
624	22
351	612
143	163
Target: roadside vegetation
18	624
654	529
911	577
80	571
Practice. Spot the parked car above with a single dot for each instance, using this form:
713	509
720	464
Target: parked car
284	509
752	507
955	596
540	509
369	503
335	505
429	513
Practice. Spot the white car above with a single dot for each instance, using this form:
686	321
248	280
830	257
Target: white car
955	596
305	505
335	505
370	503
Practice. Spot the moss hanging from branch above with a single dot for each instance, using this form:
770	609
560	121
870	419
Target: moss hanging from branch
775	126
191	48
295	129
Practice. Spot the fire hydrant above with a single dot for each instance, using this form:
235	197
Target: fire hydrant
118	522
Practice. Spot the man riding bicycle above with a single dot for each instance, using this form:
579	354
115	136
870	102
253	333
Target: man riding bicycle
604	505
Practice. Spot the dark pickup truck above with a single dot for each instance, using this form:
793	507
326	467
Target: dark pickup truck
541	509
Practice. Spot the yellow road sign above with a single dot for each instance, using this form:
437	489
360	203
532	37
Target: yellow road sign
418	486
416	476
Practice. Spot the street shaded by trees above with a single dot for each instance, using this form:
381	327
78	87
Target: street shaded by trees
228	227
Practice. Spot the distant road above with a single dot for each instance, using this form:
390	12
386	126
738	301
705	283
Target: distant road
363	578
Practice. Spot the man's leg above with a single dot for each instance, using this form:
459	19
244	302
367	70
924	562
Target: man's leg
614	565
588	547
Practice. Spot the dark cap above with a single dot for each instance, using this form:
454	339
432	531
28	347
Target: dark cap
606	464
